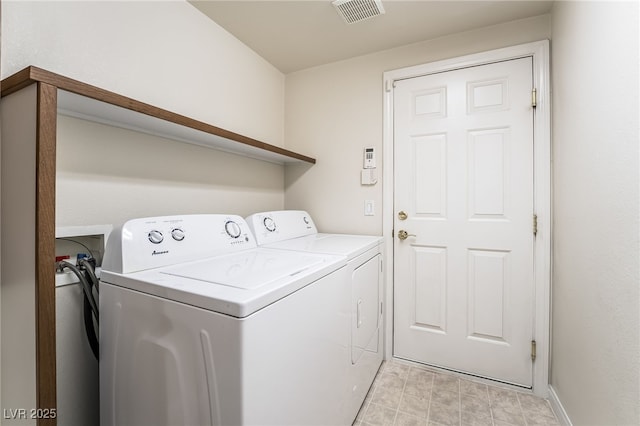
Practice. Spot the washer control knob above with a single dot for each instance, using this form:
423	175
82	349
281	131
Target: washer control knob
269	224
155	237
306	220
233	229
177	234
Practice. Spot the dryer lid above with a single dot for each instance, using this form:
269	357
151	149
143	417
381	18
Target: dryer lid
340	244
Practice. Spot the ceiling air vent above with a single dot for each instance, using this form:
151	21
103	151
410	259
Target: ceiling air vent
358	10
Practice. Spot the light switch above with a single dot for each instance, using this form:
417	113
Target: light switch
368	208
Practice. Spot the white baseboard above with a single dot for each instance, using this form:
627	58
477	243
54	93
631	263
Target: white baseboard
557	407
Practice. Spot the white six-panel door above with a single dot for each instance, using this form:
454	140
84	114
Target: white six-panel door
463	279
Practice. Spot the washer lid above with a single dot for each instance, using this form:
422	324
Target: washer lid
247	270
237	284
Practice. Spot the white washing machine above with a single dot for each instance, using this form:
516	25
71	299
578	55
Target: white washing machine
294	230
198	326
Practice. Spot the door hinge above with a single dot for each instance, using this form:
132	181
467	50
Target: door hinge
535	225
533	350
390	84
534	98
393	233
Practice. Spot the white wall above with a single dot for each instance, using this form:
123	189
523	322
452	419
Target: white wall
106	175
166	53
596	311
334	111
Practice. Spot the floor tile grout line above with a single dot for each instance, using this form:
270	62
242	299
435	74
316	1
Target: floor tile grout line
404	385
459	404
521	410
493	422
433	383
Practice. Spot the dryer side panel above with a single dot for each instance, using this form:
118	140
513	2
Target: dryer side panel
366	326
365	302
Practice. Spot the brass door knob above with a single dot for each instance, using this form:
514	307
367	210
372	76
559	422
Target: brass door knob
402	215
403	235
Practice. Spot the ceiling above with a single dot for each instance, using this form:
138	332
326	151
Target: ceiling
298	34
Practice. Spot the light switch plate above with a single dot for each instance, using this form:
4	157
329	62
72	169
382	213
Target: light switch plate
369	208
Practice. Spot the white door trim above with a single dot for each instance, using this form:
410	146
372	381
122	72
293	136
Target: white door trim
539	51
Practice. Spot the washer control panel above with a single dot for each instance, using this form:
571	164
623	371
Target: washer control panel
152	242
177	234
155	236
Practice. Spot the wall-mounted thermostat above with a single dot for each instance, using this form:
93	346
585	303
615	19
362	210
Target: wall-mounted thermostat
369	158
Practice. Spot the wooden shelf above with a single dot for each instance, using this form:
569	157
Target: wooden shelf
91	103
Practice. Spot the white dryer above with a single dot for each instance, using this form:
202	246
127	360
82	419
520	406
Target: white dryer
198	326
294	230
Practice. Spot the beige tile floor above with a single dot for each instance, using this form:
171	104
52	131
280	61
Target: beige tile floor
407	395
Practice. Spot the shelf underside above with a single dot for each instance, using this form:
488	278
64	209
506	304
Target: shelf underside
81	100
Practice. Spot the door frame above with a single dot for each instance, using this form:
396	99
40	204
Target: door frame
539	52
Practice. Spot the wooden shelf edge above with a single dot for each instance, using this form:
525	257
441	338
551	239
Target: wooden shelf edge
34	74
45	250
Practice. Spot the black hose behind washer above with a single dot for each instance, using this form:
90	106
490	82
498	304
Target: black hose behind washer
88	280
90	329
